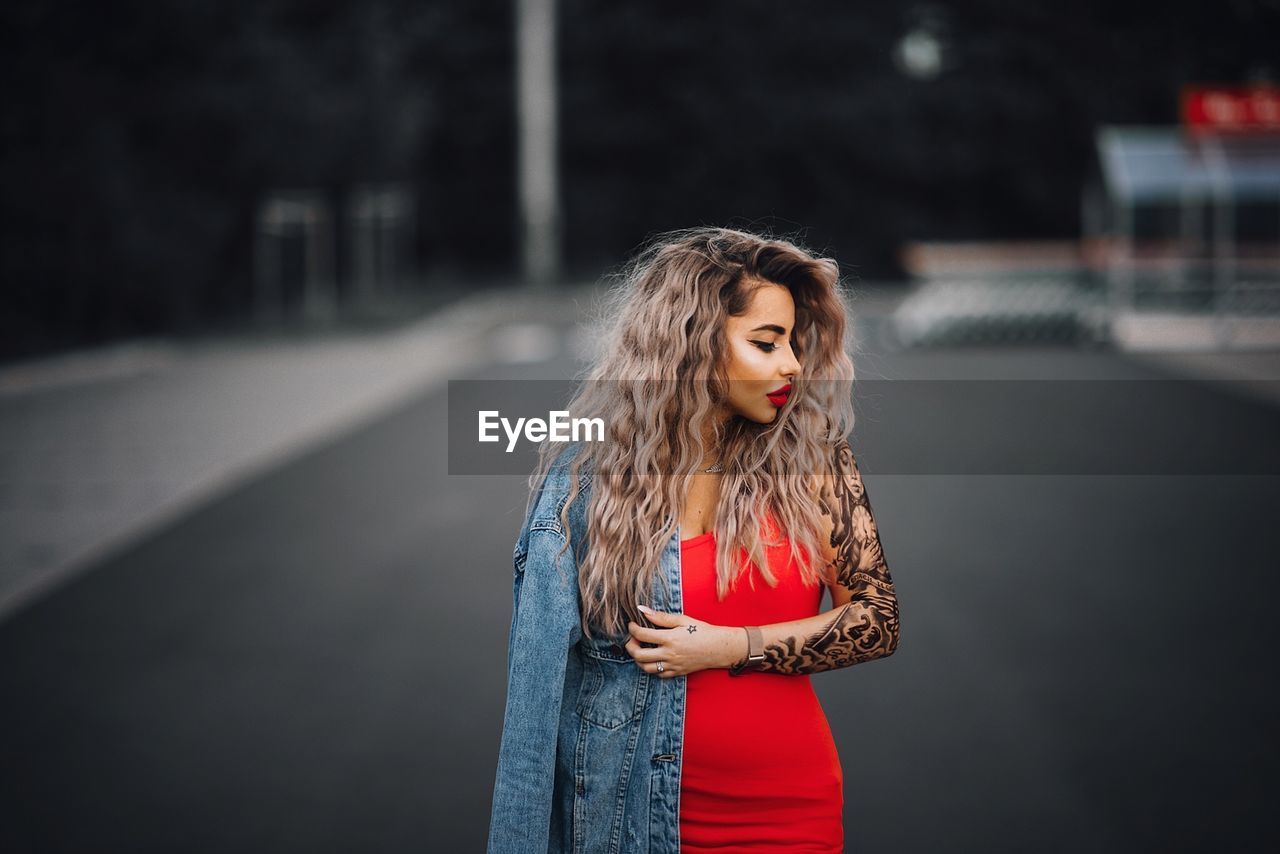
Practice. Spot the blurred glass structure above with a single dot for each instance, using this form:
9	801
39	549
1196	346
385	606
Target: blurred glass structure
1190	224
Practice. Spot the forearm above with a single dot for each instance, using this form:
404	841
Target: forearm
864	629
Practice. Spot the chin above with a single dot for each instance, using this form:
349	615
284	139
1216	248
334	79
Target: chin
763	417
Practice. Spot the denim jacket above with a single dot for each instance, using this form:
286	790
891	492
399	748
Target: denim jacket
591	744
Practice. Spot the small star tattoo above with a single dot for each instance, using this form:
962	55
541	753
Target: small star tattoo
692	629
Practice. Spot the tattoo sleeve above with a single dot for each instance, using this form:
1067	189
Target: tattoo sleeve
864	625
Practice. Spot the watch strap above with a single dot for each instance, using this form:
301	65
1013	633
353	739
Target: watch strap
755	650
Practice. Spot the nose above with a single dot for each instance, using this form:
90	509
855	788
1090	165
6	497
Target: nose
793	365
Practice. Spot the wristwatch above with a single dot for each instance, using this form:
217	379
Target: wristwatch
755	651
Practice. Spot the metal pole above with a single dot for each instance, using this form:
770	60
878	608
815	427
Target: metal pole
536	149
1126	282
1224	252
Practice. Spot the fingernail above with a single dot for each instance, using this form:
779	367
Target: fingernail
643	608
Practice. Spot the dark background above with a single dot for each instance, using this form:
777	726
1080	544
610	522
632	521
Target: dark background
137	137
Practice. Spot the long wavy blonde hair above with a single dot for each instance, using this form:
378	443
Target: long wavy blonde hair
658	382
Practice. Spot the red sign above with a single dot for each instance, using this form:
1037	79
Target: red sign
1239	109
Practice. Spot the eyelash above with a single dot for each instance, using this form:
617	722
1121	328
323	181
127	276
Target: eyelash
766	346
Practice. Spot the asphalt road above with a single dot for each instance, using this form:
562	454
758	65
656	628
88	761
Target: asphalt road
315	662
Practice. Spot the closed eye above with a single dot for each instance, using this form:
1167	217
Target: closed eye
765	346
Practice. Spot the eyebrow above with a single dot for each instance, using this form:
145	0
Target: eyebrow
770	327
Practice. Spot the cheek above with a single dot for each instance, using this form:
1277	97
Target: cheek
746	363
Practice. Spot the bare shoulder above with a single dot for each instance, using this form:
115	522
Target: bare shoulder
839	459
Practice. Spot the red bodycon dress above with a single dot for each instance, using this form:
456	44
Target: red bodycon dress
760	769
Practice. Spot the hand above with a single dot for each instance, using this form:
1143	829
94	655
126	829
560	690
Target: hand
684	645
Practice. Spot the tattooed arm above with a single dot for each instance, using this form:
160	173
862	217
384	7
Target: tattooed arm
863	624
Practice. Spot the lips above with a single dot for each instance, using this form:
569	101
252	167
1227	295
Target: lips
779	397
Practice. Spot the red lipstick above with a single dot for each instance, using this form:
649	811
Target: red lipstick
778	397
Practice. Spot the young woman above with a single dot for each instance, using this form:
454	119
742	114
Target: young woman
667	604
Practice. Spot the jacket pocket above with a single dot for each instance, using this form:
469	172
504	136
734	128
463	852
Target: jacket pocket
613	685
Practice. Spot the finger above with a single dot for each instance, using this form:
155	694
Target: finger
647	635
643	655
662	618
